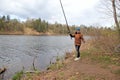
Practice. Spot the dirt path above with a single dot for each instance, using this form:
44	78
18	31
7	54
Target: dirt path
78	70
87	71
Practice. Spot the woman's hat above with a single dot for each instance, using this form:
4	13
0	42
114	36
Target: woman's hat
77	29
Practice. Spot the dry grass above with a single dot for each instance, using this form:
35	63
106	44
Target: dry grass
105	44
29	31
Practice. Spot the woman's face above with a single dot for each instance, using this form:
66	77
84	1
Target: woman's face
78	31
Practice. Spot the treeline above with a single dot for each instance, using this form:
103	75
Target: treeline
43	26
8	25
14	25
98	30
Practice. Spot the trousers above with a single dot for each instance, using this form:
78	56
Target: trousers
77	50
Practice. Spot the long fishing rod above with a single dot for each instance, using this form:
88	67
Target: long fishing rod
65	17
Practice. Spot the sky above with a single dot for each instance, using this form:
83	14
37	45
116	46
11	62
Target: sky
77	11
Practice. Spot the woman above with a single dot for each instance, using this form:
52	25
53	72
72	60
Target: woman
78	38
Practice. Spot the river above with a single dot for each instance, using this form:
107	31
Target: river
18	51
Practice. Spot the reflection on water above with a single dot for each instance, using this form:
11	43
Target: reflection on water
17	52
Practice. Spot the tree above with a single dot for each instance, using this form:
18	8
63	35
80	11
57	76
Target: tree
8	18
115	15
3	18
112	9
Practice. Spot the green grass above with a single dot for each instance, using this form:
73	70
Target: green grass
29	76
85	54
73	78
87	77
106	59
57	65
96	58
61	73
117	72
101	59
17	76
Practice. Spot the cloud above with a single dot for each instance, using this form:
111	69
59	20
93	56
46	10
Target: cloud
77	11
25	8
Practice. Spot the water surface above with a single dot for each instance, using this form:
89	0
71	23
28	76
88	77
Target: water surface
17	52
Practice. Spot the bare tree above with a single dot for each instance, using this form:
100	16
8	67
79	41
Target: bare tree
112	10
115	7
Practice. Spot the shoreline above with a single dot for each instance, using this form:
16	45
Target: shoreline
40	34
89	67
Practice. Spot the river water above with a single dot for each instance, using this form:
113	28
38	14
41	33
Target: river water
18	51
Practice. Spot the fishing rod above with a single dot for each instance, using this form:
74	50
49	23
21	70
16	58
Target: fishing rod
64	16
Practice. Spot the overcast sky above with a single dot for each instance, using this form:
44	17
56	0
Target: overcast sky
77	11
